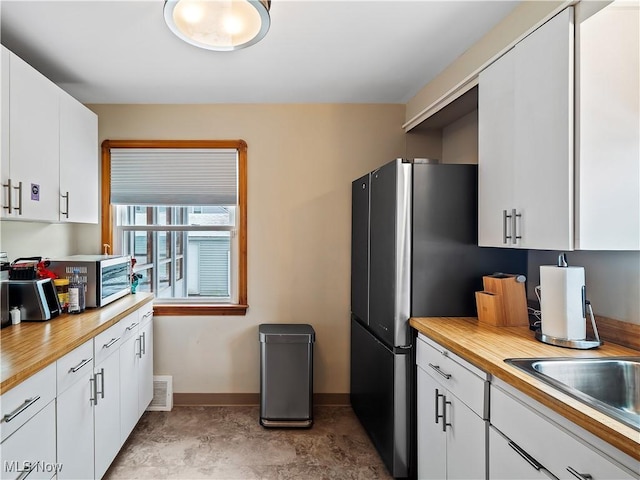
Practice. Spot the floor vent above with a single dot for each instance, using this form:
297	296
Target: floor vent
162	393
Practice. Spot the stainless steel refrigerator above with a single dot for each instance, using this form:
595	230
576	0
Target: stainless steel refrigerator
414	253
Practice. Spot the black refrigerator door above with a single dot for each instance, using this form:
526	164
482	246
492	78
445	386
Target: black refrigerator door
360	248
381	395
390	253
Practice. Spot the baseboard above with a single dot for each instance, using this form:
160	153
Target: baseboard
237	399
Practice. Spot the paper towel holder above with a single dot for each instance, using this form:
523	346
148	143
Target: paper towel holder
585	344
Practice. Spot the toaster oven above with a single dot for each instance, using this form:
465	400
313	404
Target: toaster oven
108	277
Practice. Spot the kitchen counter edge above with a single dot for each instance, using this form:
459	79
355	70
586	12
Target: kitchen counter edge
487	347
28	347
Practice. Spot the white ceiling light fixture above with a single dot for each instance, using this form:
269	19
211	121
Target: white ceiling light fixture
221	25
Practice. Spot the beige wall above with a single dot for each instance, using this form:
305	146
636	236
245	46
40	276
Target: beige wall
301	161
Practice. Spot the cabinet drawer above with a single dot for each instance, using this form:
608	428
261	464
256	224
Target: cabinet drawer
129	325
107	343
25	400
145	314
32	447
548	443
74	365
462	379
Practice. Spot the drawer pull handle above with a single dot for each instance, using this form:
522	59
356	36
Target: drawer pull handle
579	476
80	365
110	343
132	326
437	369
530	460
27	471
27	403
148	314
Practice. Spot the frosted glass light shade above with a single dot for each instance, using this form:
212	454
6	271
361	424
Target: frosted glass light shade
221	25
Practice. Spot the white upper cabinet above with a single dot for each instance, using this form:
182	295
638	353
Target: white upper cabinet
30	175
525	142
78	162
49	149
608	128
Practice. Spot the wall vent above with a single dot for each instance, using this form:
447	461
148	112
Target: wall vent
162	393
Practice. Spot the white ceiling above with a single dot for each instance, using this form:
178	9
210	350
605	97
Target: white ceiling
317	51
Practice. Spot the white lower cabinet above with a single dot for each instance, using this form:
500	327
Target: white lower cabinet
548	444
28	428
31	451
451	425
107	413
72	417
74	413
136	369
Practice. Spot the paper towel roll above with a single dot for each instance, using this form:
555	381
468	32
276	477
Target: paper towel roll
561	302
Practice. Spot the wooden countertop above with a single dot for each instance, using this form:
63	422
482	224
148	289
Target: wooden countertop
28	347
487	347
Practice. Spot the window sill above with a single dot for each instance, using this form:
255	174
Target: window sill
177	310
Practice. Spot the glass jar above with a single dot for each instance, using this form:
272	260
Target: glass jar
62	289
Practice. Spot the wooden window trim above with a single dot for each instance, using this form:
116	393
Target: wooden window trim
107	216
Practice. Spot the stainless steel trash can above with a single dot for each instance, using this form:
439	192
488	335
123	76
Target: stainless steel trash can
286	375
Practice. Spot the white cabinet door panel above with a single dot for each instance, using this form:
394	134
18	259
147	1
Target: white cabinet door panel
74	417
432	444
506	464
78	162
107	413
496	150
34	141
544	135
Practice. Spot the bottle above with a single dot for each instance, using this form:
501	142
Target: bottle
76	293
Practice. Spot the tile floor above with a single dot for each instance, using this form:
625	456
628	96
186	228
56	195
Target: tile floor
229	443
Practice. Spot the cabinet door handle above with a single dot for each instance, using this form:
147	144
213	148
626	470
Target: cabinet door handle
19	188
530	460
438	416
80	365
437	369
9	195
445	424
101	392
514	231
138	343
27	403
579	476
143	344
66	213
94	394
111	342
505	235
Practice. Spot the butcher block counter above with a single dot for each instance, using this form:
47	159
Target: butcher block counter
487	347
28	347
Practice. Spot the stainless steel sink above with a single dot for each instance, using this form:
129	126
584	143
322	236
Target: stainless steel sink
610	385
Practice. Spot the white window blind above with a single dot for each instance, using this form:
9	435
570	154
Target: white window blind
180	176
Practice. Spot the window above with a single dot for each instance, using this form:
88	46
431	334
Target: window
179	208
